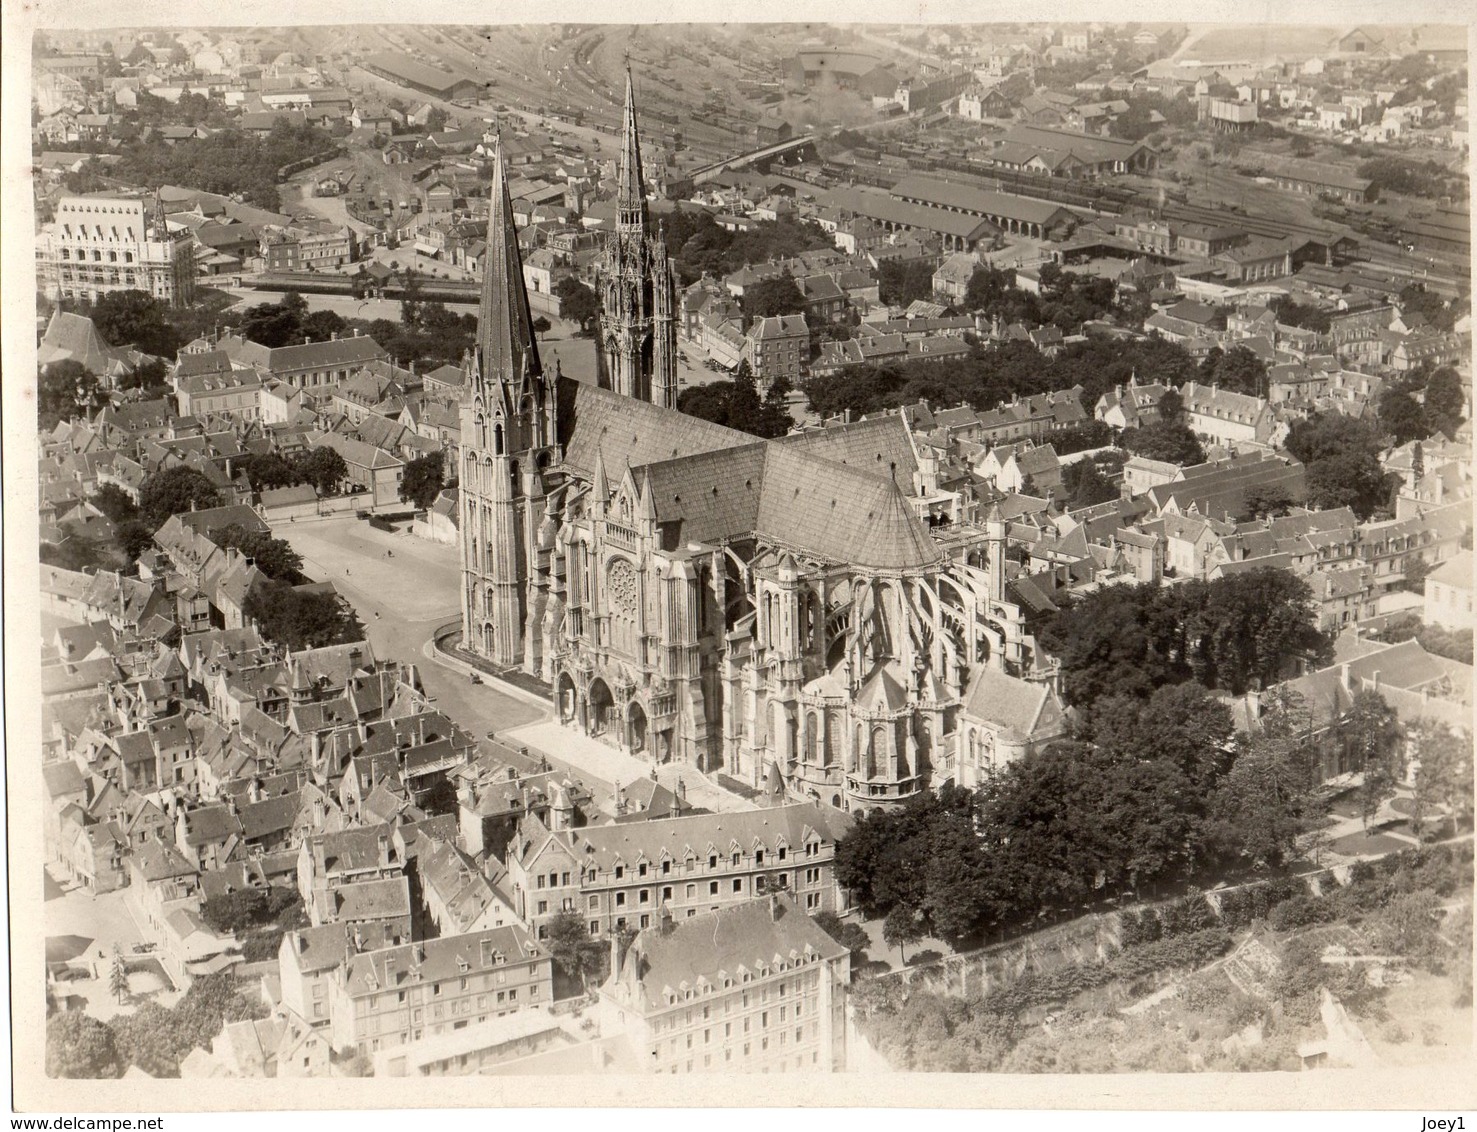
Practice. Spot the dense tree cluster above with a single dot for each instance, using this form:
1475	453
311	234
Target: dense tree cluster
1412	178
1423	403
231	162
1237	370
1341	455
67	391
170	491
1151	792
1166	440
990	375
1230	634
154	1038
578	302
1067	298
902	283
157	1039
700	245
736	404
1084	484
274	557
301	618
1290	312
771	297
423	479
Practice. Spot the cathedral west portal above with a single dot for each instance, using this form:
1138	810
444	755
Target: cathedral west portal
778	610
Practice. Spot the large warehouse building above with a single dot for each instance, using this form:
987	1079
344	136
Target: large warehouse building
405	71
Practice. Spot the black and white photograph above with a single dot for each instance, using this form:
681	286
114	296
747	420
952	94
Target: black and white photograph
854	551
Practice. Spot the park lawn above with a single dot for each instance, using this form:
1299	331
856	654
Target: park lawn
1362	844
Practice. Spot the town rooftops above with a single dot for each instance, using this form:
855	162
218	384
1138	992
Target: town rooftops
748	938
432	960
604	847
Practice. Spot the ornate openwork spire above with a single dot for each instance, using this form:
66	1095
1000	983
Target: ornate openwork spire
631	191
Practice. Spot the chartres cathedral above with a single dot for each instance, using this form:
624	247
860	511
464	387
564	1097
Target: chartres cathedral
812	614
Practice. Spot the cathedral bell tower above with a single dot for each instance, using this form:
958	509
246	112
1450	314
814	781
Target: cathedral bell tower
637	350
509	436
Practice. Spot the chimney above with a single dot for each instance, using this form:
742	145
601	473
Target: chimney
254	790
1344	678
320	864
384	850
776	909
617	954
1374	681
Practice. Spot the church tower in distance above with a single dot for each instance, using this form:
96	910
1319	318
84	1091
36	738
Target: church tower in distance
637	349
509	436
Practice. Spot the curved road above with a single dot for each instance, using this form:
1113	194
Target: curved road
413	593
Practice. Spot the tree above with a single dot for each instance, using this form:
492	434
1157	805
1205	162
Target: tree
79	1046
423	480
1444	402
136	318
1372	734
301	619
899	284
267	470
1330	434
323	467
321	326
1269	797
114	502
771	297
577	302
272	325
148	379
1266	502
1182	724
900	928
1401	417
65	391
173	490
571	947
1228	634
1350	479
1085	484
274	557
1238	370
541	325
849	935
1413	579
1443	777
118	975
1163	440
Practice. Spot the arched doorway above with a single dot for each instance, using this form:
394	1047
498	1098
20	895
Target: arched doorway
601	707
568	701
636	728
488	643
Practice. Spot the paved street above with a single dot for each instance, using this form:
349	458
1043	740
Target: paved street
414	593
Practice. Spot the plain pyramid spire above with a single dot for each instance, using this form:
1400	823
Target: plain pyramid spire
505	338
631	190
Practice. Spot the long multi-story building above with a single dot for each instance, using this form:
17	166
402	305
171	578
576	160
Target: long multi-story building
753	988
621	877
102	243
370	1000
